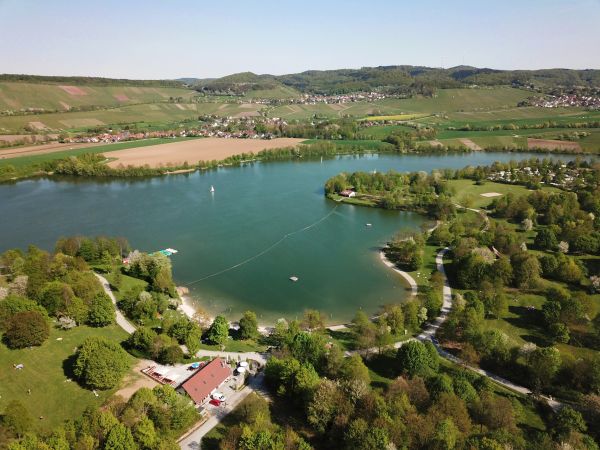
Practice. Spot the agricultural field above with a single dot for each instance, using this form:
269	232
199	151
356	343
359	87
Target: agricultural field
62	97
42	385
153	113
192	151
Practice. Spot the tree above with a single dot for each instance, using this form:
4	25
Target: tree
495	412
170	355
14	304
446	435
144	433
546	239
100	364
142	339
568	420
543	364
218	331
563	247
394	318
313	320
102	311
120	438
353	368
364	330
414	359
322	408
26	329
193	337
526	269
248	325
560	333
17	418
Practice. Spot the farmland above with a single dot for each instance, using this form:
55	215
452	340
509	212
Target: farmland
62	97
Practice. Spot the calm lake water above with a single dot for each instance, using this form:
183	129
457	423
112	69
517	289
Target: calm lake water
239	246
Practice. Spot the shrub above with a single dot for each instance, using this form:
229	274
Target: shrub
100	364
26	329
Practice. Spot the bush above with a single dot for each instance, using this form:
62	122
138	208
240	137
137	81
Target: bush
26	329
100	364
102	311
170	355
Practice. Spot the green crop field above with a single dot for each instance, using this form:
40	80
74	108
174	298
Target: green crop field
153	113
46	371
16	96
381	131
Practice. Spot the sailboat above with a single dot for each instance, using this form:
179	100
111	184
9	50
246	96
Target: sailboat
212	189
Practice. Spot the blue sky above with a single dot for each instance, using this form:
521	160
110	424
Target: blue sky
177	38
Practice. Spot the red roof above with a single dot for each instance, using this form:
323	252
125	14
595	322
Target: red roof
208	378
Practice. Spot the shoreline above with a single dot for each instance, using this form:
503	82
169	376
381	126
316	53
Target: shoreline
187	304
407	277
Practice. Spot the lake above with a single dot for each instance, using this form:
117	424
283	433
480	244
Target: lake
239	246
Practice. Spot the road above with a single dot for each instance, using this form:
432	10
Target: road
120	318
193	440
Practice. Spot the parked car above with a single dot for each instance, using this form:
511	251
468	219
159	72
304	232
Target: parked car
218	396
215	402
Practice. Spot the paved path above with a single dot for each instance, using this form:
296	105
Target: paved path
193	440
431	330
121	320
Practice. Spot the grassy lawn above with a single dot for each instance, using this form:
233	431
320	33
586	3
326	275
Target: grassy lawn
127	283
46	369
469	194
422	275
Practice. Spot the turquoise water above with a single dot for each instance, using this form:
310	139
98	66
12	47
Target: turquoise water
239	246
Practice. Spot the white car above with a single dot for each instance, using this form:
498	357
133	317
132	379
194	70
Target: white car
218	396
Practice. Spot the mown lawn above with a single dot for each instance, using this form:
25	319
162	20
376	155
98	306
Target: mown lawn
45	373
467	193
127	283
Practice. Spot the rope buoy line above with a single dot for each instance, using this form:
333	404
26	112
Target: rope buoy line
268	249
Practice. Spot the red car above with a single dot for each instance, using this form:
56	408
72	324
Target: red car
214	401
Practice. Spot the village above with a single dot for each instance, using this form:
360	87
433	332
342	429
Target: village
210	126
566	100
564	178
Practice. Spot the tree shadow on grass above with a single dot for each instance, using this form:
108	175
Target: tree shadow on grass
345	337
383	364
68	365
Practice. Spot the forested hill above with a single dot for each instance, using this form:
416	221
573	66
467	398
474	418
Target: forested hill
405	79
91	81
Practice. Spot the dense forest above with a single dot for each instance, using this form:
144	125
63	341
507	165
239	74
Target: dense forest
403	79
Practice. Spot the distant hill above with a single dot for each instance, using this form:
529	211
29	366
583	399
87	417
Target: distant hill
402	79
89	81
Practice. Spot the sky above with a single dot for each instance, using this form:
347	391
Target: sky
154	39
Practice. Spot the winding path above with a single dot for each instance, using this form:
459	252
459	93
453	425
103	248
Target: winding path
120	318
431	330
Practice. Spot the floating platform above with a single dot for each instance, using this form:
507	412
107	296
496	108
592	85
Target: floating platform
167	251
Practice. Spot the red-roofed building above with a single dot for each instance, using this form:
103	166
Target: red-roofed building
206	380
